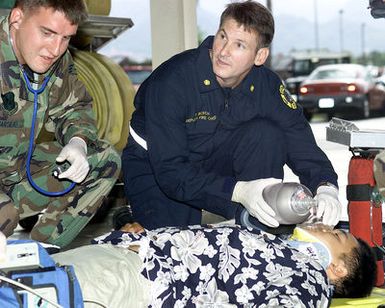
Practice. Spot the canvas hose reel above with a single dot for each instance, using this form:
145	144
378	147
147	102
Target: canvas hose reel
127	93
87	75
98	7
112	93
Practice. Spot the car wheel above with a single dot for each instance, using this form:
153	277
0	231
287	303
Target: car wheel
330	115
365	108
382	109
308	115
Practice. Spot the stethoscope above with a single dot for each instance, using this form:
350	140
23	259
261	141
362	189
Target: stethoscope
36	93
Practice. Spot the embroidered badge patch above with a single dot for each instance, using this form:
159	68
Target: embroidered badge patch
72	69
9	106
287	98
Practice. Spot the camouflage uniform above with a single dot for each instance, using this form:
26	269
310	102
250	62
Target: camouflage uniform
65	109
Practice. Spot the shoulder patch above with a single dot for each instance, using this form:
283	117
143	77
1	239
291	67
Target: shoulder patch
72	69
9	106
287	98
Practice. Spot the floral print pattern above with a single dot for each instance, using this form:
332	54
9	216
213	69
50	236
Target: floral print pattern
201	266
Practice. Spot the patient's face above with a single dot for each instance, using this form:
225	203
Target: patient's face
338	241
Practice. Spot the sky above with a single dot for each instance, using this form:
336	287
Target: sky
136	42
302	8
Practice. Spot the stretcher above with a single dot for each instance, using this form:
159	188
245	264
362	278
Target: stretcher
364	201
376	299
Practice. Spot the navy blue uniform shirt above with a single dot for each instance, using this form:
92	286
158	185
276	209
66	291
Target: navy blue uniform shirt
181	106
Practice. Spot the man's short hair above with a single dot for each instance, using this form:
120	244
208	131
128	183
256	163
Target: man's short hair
74	10
253	16
362	272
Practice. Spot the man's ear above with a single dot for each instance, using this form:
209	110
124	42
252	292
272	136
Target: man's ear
16	17
338	269
261	56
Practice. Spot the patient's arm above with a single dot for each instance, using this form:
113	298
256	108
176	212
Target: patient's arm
134	227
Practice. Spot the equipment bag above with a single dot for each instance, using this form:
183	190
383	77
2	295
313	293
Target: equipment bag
42	285
365	213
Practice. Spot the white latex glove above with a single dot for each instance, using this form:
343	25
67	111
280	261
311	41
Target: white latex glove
75	152
328	206
249	194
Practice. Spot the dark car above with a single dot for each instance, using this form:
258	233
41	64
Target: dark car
335	88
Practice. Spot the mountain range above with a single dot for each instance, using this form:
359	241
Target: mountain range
359	33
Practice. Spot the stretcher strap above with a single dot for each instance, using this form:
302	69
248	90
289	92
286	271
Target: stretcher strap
379	253
363	192
359	192
378	248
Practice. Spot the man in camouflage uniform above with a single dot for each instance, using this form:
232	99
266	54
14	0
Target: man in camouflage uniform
34	40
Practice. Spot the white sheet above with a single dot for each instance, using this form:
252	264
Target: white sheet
108	275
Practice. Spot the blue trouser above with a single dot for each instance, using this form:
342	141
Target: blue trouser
255	150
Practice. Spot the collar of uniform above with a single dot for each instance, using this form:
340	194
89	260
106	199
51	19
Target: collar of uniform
248	84
9	69
206	78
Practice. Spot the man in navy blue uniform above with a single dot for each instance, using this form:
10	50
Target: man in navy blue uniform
213	127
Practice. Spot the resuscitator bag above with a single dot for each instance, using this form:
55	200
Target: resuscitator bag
30	278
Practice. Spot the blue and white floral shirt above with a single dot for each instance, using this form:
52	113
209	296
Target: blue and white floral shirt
201	266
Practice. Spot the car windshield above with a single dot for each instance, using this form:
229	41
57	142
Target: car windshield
334	73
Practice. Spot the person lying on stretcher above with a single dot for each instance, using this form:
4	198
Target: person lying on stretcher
224	266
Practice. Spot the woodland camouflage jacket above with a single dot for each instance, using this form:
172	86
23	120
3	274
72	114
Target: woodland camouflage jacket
64	107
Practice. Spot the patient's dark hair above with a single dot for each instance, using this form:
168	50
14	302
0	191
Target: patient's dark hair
74	10
362	272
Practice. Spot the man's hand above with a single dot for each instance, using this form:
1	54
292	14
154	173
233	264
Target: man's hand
249	194
134	227
74	152
328	205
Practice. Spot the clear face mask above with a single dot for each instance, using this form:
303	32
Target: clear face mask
311	246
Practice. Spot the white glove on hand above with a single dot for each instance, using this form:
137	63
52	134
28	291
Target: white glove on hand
328	206
249	194
75	152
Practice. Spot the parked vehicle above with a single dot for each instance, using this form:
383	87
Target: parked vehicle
377	96
137	73
337	88
304	62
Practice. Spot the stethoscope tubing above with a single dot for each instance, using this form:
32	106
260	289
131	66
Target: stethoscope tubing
36	93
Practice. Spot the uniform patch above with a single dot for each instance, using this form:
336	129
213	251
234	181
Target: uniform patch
72	69
9	106
287	98
201	115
